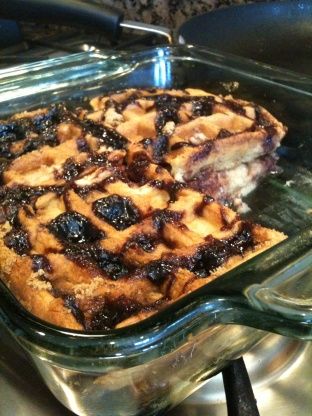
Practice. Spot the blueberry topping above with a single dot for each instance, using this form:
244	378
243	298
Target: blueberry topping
11	132
40	263
208	258
91	255
4	163
118	211
12	198
110	263
158	270
5	150
224	133
160	147
203	106
242	240
167	107
71	169
163	216
216	252
112	312
138	167
107	136
42	122
17	240
71	303
235	107
144	241
72	227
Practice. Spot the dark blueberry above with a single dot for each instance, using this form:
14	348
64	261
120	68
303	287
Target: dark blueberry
71	303
31	145
5	150
203	106
179	145
242	240
11	213
112	312
106	135
118	211
144	241
235	107
209	257
167	107
158	270
71	169
216	252
137	168
174	188
82	254
146	142
91	255
40	263
110	263
4	163
260	118
160	147
82	145
224	133
72	227
17	240
11	132
37	142
13	198
163	216
42	122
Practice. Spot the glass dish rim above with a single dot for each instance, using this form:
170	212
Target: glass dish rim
158	321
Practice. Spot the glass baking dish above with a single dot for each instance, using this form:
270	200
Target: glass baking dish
153	365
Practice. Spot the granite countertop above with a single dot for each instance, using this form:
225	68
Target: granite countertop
170	13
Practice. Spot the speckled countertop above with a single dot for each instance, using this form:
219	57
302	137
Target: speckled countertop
170	13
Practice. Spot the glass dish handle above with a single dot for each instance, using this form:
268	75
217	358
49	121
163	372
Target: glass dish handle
272	291
287	295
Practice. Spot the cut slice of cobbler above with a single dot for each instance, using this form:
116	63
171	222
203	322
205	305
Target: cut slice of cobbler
219	145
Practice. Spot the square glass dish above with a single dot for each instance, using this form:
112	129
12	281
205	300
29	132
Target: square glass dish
153	365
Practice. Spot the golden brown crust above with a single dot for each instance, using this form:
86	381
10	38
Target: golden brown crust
29	288
97	233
